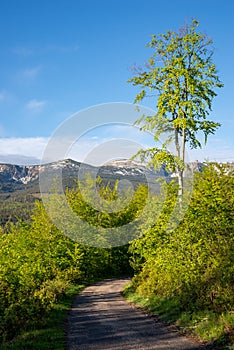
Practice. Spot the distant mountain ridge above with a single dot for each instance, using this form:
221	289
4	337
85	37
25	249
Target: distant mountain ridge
18	173
17	177
19	184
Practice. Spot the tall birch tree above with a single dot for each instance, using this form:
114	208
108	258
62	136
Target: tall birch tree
182	78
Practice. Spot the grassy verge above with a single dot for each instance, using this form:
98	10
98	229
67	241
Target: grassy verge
48	332
215	330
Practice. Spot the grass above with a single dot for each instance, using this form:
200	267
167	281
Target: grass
215	330
47	333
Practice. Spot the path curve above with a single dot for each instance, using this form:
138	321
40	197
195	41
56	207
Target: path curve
100	319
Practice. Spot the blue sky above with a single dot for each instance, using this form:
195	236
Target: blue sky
59	57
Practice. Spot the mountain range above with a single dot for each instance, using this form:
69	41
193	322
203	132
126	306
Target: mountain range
20	184
15	178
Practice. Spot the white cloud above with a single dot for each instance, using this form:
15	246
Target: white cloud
120	131
218	149
28	75
4	96
22	51
35	105
218	154
62	48
94	150
18	159
2	131
28	150
107	143
34	147
29	147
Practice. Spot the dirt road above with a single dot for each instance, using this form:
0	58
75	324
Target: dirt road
101	319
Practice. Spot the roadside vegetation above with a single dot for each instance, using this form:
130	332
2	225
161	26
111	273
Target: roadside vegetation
40	270
186	275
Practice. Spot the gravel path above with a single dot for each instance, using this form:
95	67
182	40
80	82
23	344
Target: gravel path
101	319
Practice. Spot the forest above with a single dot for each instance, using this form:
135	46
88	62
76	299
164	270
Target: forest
187	269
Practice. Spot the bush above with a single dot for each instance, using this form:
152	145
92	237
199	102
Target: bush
37	262
194	263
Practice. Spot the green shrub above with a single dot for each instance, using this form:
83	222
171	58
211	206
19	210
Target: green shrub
37	263
194	263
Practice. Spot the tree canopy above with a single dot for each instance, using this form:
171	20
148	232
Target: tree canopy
182	77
